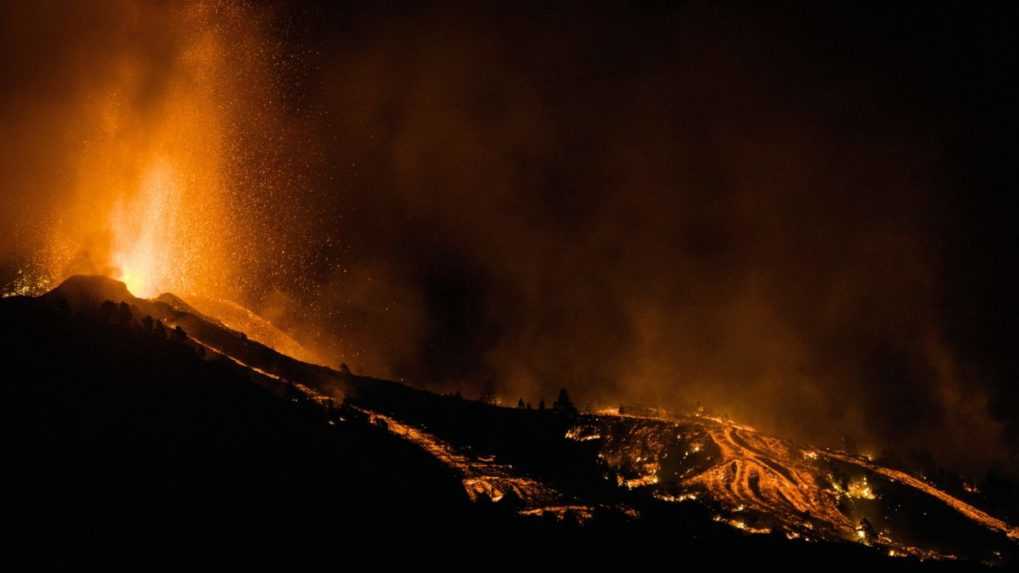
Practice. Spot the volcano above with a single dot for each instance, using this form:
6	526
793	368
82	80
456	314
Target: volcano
133	419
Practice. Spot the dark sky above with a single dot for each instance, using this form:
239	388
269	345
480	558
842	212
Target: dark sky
794	213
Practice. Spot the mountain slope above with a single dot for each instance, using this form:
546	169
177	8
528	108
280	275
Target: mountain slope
124	428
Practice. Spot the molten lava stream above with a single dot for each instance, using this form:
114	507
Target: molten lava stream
955	503
755	471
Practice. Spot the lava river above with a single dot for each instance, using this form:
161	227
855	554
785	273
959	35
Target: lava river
763	484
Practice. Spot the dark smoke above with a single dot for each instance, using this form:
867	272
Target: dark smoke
748	209
767	211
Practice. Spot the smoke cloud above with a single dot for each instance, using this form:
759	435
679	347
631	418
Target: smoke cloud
748	209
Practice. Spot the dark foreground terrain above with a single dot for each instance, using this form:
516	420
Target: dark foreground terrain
128	442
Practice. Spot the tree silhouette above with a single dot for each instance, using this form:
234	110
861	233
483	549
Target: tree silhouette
124	314
106	311
563	403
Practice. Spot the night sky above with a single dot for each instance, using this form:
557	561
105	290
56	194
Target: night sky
798	215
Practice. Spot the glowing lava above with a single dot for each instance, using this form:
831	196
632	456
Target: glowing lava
758	483
152	196
143	233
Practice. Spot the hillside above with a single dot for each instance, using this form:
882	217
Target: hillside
126	431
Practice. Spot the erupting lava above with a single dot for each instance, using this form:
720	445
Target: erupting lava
162	193
144	232
153	195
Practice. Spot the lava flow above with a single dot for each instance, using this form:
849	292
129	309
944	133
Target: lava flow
759	483
761	472
484	478
962	507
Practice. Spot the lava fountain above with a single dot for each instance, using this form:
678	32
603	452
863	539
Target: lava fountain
143	234
149	201
162	175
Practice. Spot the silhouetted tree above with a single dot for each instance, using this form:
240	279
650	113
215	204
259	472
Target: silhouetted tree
179	335
563	403
344	369
124	314
520	404
148	323
106	311
541	405
160	330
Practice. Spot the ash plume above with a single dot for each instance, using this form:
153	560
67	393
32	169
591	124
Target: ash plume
765	212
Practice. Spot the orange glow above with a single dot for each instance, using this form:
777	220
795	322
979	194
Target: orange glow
165	185
143	234
149	200
962	507
739	470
